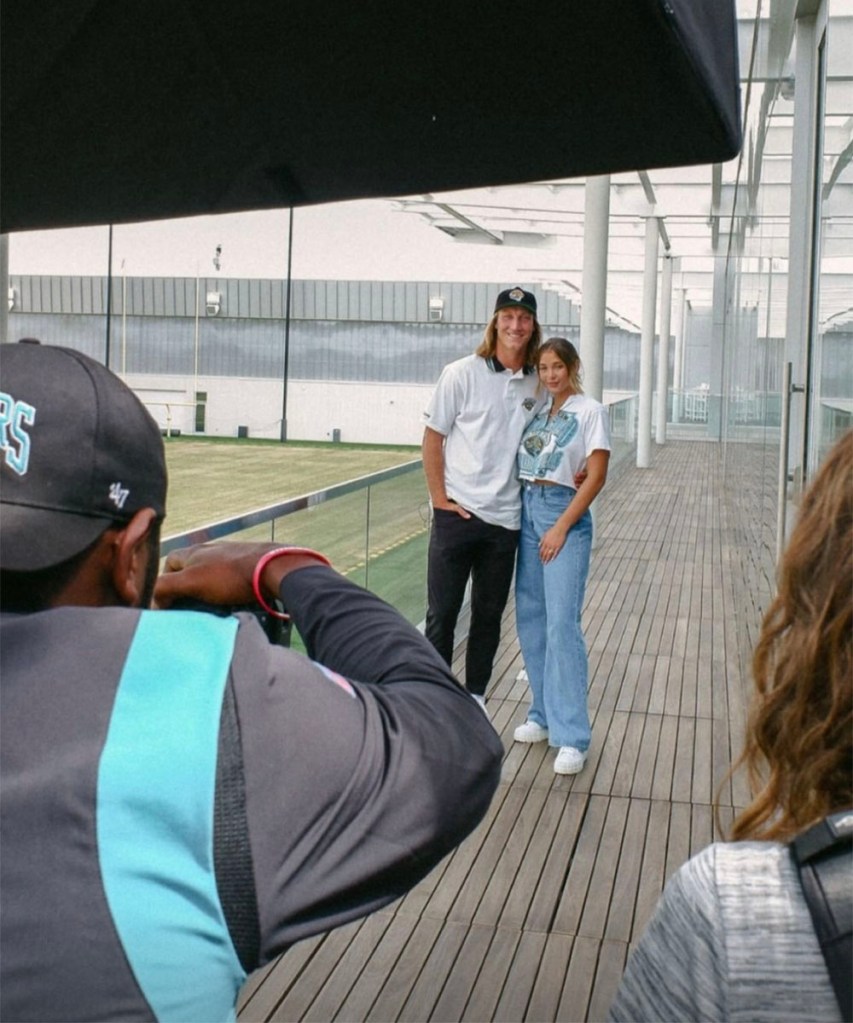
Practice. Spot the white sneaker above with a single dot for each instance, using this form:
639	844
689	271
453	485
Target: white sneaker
522	676
482	701
569	760
530	732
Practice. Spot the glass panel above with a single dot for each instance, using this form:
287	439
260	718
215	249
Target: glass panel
832	349
397	549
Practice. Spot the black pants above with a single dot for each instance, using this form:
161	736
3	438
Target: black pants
460	548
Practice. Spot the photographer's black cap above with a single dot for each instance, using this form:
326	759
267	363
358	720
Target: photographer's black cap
516	296
79	451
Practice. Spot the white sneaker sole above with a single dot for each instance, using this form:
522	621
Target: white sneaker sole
572	767
530	738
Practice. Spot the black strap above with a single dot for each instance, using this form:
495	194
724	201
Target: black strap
232	856
824	857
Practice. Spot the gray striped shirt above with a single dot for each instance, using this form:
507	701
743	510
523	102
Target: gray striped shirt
731	939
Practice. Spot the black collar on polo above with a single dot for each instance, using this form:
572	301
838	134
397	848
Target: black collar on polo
496	366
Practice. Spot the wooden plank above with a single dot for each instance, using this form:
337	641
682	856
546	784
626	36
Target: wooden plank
511	861
620	915
600	667
253	983
554	871
519	894
614	682
395	984
625	775
521	978
608	761
331	995
392	956
628	693
665	763
701	827
431	980
314	974
470	890
577	988
682	779
277	980
492	978
545	999
459	981
652	874
644	771
599	895
678	845
702	788
660	680
611	965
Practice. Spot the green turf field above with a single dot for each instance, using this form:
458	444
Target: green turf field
376	536
213	479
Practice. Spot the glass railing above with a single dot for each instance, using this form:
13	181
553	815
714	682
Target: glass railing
623	426
374	530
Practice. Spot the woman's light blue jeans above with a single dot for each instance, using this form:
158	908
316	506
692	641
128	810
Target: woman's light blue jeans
548	606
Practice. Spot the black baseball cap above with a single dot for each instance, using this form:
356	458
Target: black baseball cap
516	296
79	451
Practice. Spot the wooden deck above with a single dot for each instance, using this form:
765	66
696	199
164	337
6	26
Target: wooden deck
531	918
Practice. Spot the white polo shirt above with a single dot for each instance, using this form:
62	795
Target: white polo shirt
482	409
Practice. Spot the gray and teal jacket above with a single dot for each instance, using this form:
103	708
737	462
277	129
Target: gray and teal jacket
182	800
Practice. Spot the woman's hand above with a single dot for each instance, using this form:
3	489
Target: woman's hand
552	543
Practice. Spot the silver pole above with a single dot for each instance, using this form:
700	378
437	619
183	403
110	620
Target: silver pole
782	483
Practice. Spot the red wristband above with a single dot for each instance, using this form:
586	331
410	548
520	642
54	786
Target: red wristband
271	556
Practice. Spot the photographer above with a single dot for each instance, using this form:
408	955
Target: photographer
182	800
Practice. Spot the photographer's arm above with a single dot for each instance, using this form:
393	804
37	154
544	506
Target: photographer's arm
353	790
340	623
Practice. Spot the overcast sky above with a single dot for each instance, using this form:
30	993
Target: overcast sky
367	240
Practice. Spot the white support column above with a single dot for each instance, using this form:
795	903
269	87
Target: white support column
596	234
647	346
663	348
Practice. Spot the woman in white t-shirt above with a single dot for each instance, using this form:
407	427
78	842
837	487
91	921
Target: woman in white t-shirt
569	436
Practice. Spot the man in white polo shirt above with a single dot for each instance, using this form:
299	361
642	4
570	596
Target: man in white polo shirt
474	424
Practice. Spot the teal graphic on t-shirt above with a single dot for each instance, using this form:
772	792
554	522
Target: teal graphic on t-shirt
544	441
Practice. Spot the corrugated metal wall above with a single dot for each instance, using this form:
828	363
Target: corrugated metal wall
373	301
339	330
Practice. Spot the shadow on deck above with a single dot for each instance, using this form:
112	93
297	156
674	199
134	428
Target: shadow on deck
531	918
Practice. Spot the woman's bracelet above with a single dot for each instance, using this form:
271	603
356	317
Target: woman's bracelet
271	556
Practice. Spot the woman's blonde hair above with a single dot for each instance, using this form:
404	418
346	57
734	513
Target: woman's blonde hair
568	355
799	747
490	341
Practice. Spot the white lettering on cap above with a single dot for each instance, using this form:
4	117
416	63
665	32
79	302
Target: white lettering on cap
118	494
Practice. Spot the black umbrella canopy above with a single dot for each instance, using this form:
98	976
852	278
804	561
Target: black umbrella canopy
116	112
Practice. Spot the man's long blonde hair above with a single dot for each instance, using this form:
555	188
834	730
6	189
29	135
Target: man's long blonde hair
799	747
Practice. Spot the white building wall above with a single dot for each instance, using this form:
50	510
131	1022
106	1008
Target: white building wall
364	413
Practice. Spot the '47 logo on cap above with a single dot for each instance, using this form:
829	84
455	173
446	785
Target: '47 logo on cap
118	494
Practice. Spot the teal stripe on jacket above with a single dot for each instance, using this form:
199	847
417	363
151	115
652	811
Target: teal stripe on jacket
155	807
